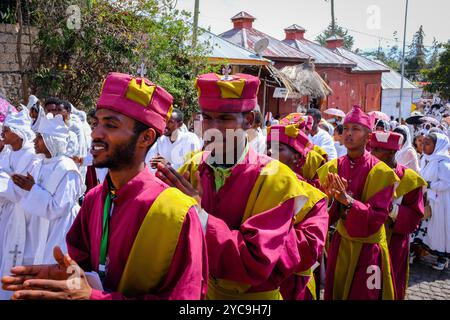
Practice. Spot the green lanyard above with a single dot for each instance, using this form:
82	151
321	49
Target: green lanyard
107	208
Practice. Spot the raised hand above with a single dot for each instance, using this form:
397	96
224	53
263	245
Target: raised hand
65	280
170	176
24	182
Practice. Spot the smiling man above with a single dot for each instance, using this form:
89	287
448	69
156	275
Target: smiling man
144	239
361	188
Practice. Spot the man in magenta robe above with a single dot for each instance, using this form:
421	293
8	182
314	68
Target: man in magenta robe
408	208
293	144
121	229
361	188
249	200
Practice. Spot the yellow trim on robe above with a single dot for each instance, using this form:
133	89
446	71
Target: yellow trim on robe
410	181
276	184
320	151
191	165
155	243
379	177
314	196
313	162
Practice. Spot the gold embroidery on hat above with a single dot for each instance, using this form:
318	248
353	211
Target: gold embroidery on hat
231	89
291	131
140	93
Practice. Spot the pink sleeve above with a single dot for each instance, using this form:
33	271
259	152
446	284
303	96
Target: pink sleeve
250	254
409	212
188	273
311	234
364	219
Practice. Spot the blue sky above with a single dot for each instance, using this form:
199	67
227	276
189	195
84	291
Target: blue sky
368	21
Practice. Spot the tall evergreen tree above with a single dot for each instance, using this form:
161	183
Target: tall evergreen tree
416	59
340	32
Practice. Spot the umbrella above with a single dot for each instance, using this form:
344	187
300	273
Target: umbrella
430	120
379	115
414	120
4	105
335	112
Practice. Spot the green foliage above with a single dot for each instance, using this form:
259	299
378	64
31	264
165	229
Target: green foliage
114	36
439	76
339	31
416	58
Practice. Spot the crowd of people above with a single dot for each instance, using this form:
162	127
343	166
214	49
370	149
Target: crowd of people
136	206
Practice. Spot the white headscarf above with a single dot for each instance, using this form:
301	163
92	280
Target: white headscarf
430	163
20	124
41	114
407	155
55	134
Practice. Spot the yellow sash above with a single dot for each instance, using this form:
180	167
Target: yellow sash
379	177
411	180
320	151
313	161
275	185
155	243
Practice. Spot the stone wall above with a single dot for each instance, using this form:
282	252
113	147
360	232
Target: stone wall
10	78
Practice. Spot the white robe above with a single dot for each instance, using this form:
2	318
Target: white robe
325	141
438	226
12	216
50	208
174	152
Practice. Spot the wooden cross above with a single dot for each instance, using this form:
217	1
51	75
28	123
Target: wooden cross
15	252
226	73
142	70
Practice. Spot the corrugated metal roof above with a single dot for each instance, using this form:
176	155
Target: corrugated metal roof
321	55
247	37
223	49
363	64
393	79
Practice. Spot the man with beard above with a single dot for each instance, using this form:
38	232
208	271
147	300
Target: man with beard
361	188
249	200
174	145
144	239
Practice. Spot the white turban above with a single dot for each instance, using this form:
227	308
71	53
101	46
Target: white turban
20	124
55	134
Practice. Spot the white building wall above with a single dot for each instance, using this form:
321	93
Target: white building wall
390	97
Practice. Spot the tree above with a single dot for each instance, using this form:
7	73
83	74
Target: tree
434	54
416	59
390	57
72	60
339	31
439	76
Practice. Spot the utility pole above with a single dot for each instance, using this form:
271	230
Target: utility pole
194	33
333	27
403	65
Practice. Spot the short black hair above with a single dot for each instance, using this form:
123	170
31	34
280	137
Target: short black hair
340	129
52	100
315	113
180	115
140	127
66	104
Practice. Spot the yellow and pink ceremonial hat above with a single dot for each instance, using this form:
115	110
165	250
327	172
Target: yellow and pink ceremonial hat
304	122
229	94
358	116
137	98
292	135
